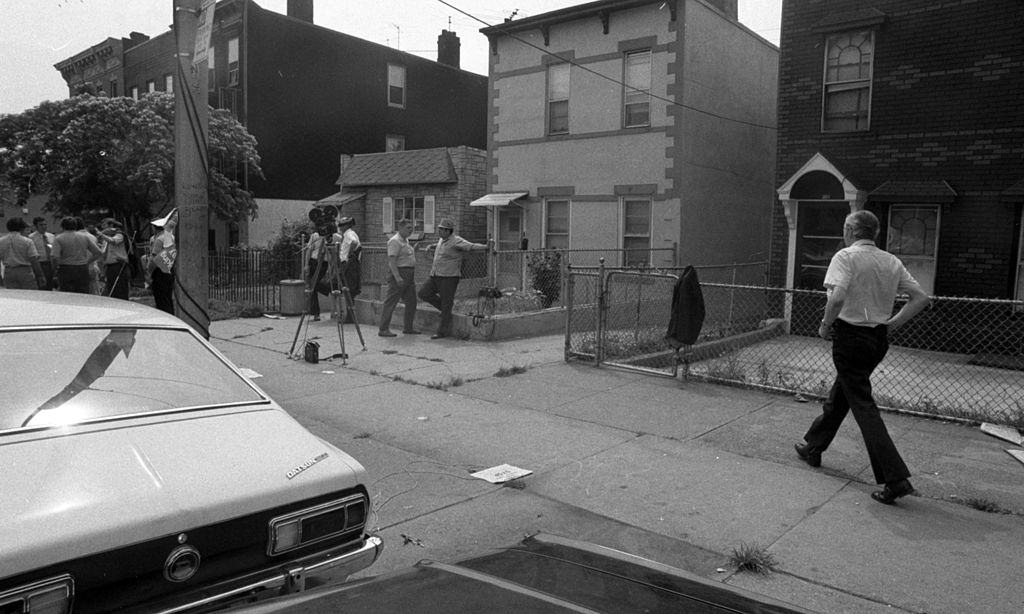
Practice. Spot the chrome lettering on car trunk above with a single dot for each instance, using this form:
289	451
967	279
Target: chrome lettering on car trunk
306	465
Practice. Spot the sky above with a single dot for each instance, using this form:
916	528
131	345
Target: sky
36	34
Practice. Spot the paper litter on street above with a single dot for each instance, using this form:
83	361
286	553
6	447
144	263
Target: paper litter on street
249	373
501	473
274	317
1003	432
1018	454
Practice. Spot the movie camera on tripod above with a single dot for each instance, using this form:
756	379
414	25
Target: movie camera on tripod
322	215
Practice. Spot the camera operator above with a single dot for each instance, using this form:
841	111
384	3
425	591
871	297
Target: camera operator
317	264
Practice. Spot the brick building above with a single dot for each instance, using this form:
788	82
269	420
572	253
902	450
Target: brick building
913	110
309	95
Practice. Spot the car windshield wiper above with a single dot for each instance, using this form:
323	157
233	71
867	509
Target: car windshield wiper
95	367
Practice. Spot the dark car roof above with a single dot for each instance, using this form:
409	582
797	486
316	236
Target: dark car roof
20	308
543	574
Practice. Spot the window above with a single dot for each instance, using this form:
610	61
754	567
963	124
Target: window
135	92
558	99
913	238
228	99
396	86
210	64
150	87
168	83
847	92
233	61
113	87
636	232
419	209
637	98
556	224
394	142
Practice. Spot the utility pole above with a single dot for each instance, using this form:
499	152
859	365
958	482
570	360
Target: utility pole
191	163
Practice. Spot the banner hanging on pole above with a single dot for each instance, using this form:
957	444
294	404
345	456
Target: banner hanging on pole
204	31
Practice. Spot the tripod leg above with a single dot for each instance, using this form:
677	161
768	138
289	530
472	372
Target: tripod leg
352	309
339	322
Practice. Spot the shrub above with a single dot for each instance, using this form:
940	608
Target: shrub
545	268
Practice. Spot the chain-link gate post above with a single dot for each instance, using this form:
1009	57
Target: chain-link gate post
570	305
602	306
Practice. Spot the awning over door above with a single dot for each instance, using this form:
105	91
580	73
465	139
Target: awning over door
895	190
498	199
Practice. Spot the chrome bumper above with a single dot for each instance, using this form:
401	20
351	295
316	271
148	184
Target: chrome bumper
322	568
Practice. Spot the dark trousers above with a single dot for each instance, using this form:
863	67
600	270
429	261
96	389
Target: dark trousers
856	351
47	267
440	292
163	291
74	278
403	289
318	270
118	276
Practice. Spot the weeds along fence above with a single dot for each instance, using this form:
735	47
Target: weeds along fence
961	359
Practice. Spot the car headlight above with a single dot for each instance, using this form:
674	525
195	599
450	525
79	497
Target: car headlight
50	596
317	523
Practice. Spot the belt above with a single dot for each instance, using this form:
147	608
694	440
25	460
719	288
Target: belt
18	266
840	321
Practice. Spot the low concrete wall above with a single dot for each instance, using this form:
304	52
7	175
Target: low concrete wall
494	328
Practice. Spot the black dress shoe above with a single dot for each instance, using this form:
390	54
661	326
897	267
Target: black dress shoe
438	336
807	454
386	333
891	492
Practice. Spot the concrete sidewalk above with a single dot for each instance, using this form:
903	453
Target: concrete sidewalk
711	466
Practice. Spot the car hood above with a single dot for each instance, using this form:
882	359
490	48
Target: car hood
71	493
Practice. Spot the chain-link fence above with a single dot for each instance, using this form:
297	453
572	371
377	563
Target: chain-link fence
962	358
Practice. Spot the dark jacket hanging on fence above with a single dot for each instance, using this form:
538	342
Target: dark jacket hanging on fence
687	310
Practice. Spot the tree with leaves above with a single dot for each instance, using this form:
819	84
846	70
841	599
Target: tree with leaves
115	156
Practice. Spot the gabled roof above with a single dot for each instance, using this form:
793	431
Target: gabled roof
399	168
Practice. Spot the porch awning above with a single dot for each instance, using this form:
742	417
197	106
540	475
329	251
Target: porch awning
338	198
498	199
914	191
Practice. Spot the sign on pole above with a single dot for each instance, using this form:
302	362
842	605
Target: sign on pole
204	30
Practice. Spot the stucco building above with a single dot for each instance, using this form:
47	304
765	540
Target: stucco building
913	110
633	124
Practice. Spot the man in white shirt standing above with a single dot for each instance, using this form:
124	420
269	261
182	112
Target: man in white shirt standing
402	284
44	243
862	283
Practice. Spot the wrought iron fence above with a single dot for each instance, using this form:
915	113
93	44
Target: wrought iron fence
251	276
961	359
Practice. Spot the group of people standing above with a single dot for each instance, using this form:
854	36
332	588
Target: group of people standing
85	259
73	260
438	290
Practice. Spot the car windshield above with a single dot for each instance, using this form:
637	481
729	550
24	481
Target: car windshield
64	376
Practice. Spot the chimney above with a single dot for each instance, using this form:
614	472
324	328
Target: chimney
301	9
448	48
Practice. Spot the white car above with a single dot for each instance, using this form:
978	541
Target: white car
142	471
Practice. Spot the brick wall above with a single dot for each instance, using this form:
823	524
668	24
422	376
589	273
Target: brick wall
947	92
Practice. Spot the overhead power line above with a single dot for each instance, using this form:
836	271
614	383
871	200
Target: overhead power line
606	77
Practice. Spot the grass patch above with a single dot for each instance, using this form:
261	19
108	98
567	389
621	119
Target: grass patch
753	557
510	371
361	436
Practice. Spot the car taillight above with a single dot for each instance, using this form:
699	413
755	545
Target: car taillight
313	524
51	596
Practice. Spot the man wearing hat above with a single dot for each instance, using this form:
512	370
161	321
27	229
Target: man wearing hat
348	254
439	289
115	259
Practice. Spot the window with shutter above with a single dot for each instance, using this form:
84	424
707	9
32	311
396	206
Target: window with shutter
388	211
428	214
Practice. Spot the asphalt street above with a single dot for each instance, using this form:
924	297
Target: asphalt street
678	471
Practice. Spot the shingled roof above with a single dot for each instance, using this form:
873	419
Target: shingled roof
399	168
